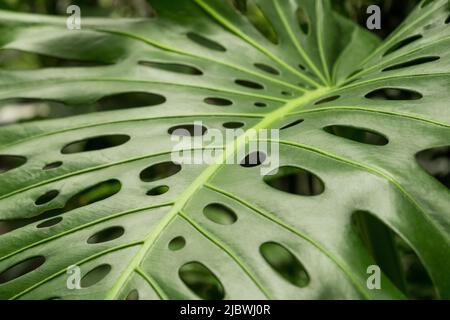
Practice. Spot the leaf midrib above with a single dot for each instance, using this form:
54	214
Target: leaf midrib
203	178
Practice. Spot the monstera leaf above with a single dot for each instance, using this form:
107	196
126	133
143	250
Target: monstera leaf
362	180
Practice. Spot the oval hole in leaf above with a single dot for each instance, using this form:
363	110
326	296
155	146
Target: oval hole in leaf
426	3
8	162
398	261
21	268
157	191
411	63
177	243
201	281
447	21
160	171
133	295
260	104
233	125
292	124
361	135
257	18
436	161
106	235
172	67
130	100
47	197
218	101
220	214
188	130
52	165
95	143
11	59
95	275
96	193
253	159
49	223
285	264
266	68
295	180
205	42
393	94
249	84
287	93
403	43
303	20
328	99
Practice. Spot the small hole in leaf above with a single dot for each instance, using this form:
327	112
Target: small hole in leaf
292	124
107	235
260	104
257	18
158	191
249	84
95	143
403	43
198	278
218	101
177	243
393	94
21	268
47	197
96	193
49	223
328	99
95	275
188	130
133	295
285	264
447	21
266	68
160	171
411	63
233	125
295	180
358	134
220	214
130	100
287	93
302	67
173	67
253	159
354	73
396	258
426	3
436	161
8	162
11	59
205	42
52	165
303	20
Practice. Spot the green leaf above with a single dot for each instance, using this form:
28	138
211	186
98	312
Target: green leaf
361	130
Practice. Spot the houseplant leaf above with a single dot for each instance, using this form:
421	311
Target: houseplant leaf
99	190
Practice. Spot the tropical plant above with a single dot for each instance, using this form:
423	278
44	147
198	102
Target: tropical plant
364	155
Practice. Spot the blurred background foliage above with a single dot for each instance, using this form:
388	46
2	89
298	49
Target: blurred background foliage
394	11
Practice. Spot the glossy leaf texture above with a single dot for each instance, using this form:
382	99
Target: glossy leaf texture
360	121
